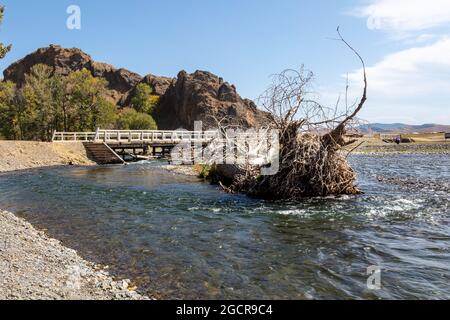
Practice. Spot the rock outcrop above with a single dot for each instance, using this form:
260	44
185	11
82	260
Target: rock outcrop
206	97
64	61
158	84
185	99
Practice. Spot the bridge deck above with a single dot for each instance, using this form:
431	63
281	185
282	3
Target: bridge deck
135	136
116	146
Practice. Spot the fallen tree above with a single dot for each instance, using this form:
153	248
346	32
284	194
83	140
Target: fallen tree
311	141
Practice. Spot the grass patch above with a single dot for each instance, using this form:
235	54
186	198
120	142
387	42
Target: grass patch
203	170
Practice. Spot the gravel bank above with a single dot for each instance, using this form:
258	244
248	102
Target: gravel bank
406	148
20	155
35	267
187	170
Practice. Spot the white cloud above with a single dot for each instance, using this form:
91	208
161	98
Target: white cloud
411	84
403	16
412	81
422	38
415	71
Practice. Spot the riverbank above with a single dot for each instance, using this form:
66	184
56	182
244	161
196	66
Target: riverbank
187	170
405	148
21	155
36	267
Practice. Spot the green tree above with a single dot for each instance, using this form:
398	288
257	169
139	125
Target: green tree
3	49
143	99
61	99
107	115
86	96
130	119
34	111
10	113
42	113
6	96
49	102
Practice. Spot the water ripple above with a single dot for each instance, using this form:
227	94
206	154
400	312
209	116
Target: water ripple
184	239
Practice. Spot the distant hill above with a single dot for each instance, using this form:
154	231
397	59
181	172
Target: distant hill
403	128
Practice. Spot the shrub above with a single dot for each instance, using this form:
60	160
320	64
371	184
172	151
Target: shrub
130	119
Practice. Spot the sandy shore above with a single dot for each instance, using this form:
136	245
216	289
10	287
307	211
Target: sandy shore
20	155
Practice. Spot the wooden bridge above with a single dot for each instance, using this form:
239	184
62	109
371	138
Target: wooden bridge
129	136
119	146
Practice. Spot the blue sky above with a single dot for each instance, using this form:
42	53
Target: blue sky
405	44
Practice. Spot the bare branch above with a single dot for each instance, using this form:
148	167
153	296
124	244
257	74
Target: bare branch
341	127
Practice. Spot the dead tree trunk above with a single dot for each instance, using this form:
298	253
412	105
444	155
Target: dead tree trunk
311	139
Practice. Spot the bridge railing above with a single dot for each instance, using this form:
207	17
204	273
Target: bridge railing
124	136
73	136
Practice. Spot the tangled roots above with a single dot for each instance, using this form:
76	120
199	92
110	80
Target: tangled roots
310	165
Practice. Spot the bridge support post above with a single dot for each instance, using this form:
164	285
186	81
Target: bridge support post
97	133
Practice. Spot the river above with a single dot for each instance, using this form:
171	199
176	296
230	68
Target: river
178	238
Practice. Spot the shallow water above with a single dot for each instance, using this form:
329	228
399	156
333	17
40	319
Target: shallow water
180	238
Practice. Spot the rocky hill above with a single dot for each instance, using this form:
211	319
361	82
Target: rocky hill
65	61
189	97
